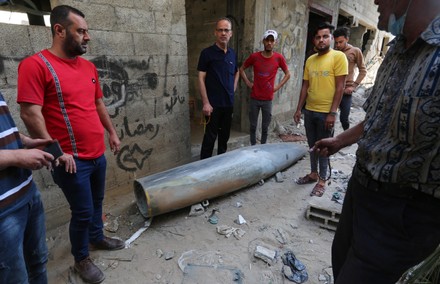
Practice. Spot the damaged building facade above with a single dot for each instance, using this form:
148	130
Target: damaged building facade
146	52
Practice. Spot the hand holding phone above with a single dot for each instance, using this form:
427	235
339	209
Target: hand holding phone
54	148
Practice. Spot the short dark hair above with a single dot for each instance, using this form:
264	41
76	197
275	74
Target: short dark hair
322	26
223	19
60	14
342	31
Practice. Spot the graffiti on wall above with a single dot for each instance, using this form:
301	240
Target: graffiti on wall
120	90
132	158
174	98
290	30
291	45
128	85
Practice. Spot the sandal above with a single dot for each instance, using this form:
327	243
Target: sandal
306	179
294	263
293	268
295	276
318	190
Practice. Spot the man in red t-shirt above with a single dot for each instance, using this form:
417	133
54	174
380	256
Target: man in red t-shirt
60	98
265	66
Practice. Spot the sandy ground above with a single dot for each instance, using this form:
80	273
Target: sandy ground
177	248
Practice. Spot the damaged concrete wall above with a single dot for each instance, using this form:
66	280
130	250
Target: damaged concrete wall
140	50
363	17
289	19
250	19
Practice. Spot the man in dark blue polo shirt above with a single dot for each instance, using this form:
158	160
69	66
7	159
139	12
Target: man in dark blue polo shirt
218	77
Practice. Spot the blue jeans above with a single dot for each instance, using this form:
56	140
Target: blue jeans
345	106
23	250
266	112
314	123
85	193
219	124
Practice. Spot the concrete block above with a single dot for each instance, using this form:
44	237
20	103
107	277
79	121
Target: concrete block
150	44
118	3
111	44
135	20
40	38
178	24
325	212
8	70
265	254
154	5
178	45
163	21
15	41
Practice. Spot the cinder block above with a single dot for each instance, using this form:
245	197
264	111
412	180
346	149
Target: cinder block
328	218
265	254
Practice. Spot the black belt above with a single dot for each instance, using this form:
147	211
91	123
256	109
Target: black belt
392	189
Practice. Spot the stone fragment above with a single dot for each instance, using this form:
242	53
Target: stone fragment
265	254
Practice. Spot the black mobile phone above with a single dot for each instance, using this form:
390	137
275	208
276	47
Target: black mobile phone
54	148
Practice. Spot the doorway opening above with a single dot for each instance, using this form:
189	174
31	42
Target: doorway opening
200	34
315	18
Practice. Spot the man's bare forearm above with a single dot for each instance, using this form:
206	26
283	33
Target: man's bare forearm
351	135
34	121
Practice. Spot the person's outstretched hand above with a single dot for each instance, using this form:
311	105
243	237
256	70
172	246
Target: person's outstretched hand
328	146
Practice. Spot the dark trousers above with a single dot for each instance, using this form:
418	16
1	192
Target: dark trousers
266	116
380	234
218	124
344	107
84	191
314	123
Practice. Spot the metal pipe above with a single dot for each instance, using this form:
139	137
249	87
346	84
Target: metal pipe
209	178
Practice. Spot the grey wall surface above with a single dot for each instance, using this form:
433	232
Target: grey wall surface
289	19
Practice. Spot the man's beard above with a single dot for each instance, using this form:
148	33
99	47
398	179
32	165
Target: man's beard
327	47
73	48
268	49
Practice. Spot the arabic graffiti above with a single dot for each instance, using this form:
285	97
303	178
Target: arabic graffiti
130	87
124	83
174	98
132	158
141	129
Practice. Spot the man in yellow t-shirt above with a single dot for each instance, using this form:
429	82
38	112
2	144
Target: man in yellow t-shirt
321	93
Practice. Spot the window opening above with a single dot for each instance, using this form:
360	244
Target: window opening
25	12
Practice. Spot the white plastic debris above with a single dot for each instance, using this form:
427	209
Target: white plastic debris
138	233
240	220
196	210
228	231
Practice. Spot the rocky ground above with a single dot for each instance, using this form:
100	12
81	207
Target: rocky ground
178	248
